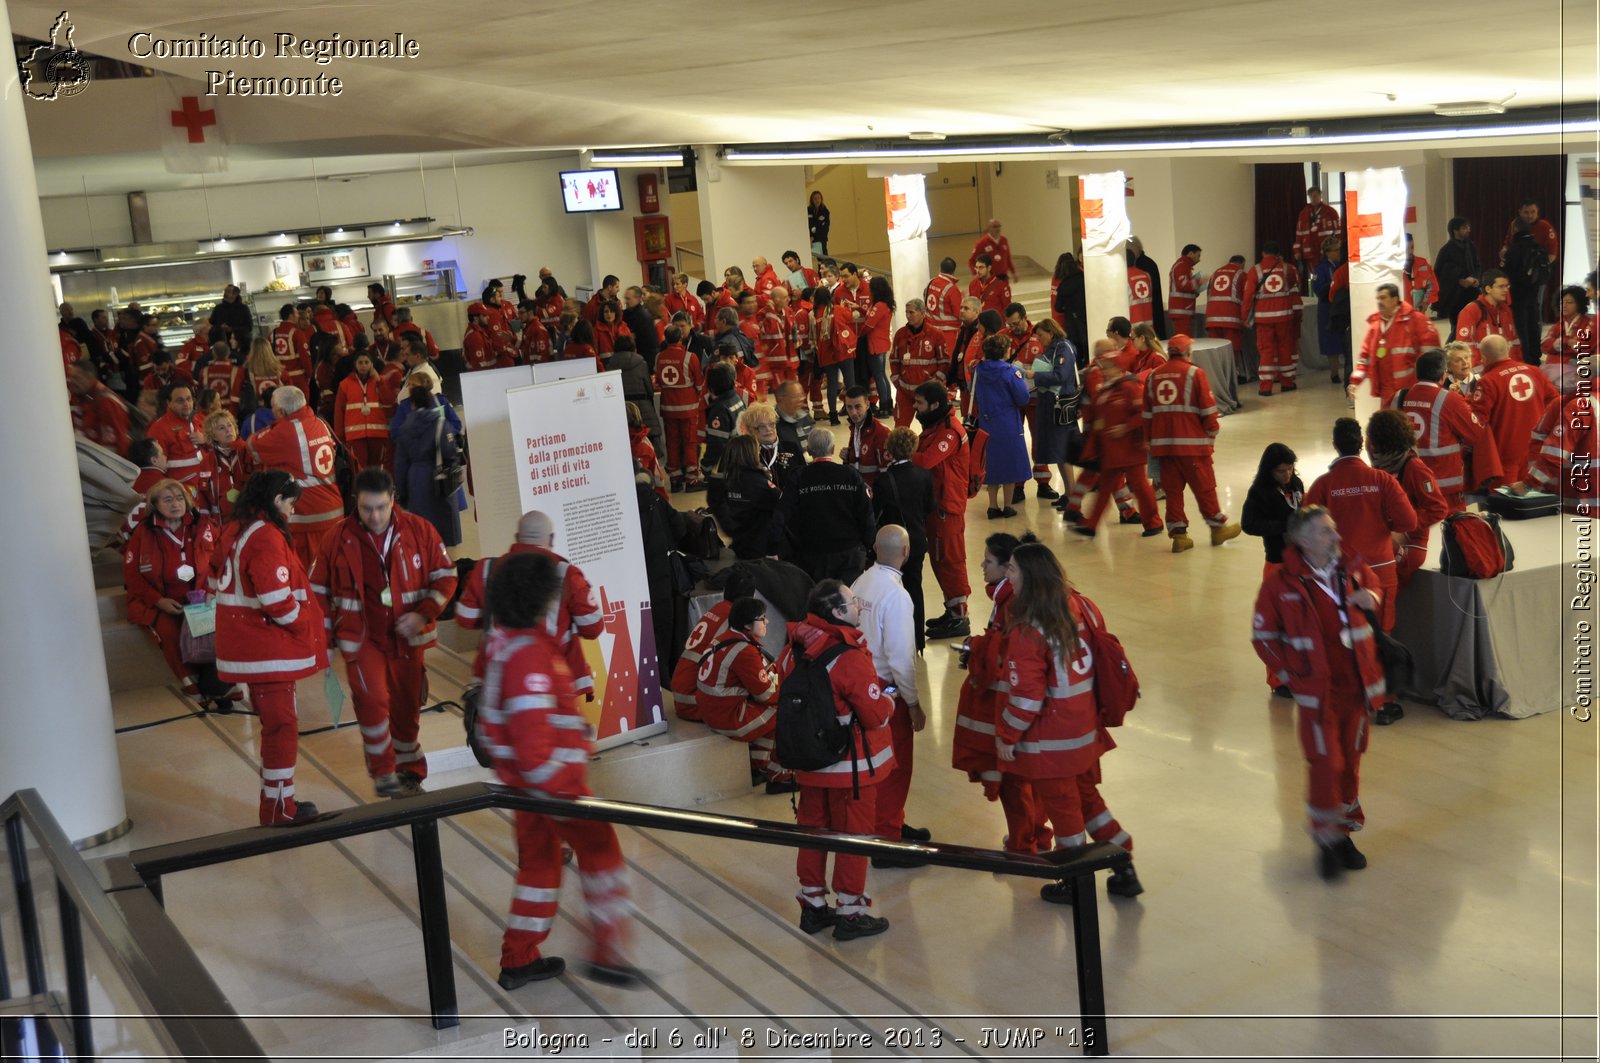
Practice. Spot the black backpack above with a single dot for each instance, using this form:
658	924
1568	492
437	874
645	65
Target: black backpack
1526	262
809	736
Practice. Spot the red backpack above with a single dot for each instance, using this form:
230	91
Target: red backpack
977	454
1116	688
1475	547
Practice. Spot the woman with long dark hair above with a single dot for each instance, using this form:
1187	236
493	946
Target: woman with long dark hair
269	631
1274	495
426	439
817	221
878	328
751	502
1050	732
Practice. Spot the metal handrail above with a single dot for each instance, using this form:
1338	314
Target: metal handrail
166	979
423	812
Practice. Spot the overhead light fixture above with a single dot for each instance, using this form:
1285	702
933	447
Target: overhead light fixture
1469	109
642	157
924	134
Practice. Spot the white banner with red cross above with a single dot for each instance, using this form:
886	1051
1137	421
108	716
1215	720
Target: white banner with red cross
1103	217
906	206
191	138
1375	224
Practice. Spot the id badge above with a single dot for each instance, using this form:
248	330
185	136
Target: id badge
386	598
1345	640
1383	351
186	572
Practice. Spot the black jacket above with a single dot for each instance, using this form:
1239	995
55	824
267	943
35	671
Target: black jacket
750	512
834	510
643	327
237	319
1266	513
795	432
903	495
1457	259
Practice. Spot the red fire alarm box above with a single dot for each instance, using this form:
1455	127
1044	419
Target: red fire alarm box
649	194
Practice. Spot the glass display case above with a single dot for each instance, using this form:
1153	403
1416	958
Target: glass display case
425	286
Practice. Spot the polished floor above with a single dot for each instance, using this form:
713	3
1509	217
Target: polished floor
1472	932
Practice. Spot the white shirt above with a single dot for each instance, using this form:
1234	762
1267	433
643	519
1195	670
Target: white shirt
890	628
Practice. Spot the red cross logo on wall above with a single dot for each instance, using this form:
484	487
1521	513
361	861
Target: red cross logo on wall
193	119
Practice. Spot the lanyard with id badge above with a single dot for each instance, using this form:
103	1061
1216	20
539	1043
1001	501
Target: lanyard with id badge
386	596
1345	638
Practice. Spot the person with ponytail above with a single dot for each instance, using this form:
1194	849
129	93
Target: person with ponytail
269	631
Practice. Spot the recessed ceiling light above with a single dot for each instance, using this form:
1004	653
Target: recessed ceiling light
924	134
1469	108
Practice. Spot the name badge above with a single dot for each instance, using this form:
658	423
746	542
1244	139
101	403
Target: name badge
1383	352
388	599
186	572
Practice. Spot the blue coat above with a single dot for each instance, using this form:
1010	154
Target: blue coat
1002	397
1061	377
414	449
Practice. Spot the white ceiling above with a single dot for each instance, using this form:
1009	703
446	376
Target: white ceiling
559	74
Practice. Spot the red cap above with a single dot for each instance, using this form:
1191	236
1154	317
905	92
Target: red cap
477	310
1180	343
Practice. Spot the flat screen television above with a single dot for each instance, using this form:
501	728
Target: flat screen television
583	191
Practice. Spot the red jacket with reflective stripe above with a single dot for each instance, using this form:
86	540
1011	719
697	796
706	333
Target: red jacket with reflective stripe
1139	305
999	252
302	445
528	711
534	344
1181	289
943	297
1180	413
711	629
917	355
1408	334
153	556
1270	291
1050	715
358	409
421	580
840	344
1564	437
1288	637
854	680
1367	504
1510	398
1114	406
942	450
1481	318
1311	228
995	294
679	380
866	449
1222	297
269	627
735	688
774	343
183	456
1444	424
576	617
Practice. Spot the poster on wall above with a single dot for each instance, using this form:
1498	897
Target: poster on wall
573	460
492	458
335	263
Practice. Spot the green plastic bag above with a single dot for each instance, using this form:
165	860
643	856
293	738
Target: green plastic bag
335	695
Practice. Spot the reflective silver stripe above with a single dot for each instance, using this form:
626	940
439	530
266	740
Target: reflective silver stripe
349	646
317	588
1308	700
467	612
587	619
1266	636
424	639
1102	820
262	667
379	731
978	726
524	702
1204	441
409	597
1053	745
565	722
1027	704
353	604
1072	690
529	924
1300	642
1322	746
441	573
755	724
1375	690
287	618
860	765
277	773
1013	722
242	600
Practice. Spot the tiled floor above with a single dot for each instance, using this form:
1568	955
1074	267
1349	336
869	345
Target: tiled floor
1479	902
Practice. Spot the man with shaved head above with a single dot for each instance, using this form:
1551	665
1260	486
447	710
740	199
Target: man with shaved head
766	279
890	628
998	248
578	613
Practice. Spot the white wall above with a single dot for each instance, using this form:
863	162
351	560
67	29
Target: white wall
1213	206
515	209
1038	220
747	211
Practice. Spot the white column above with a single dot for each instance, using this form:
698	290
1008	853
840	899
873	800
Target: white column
906	204
1375	225
1104	211
56	733
747	211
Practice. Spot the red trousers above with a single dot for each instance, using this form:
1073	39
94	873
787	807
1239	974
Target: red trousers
811	378
891	804
1026	828
388	687
1280	358
1180	322
1110	481
533	900
904	406
947	556
1389	586
1333	739
1412	556
835	808
305	543
1235	338
280	743
1196	473
1089	481
1266	573
757	734
367	452
165	630
683	447
1097	818
1059	802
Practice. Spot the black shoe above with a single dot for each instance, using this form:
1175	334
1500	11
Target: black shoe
1149	532
833	419
860	925
1124	882
957	626
537	971
304	812
1063	892
1329	864
888	862
1282	691
909	833
1046	491
1352	858
1071	514
620	975
1388	714
1061	502
995	512
1019	494
777	786
815	919
1008	511
397	785
1083	530
1129	518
